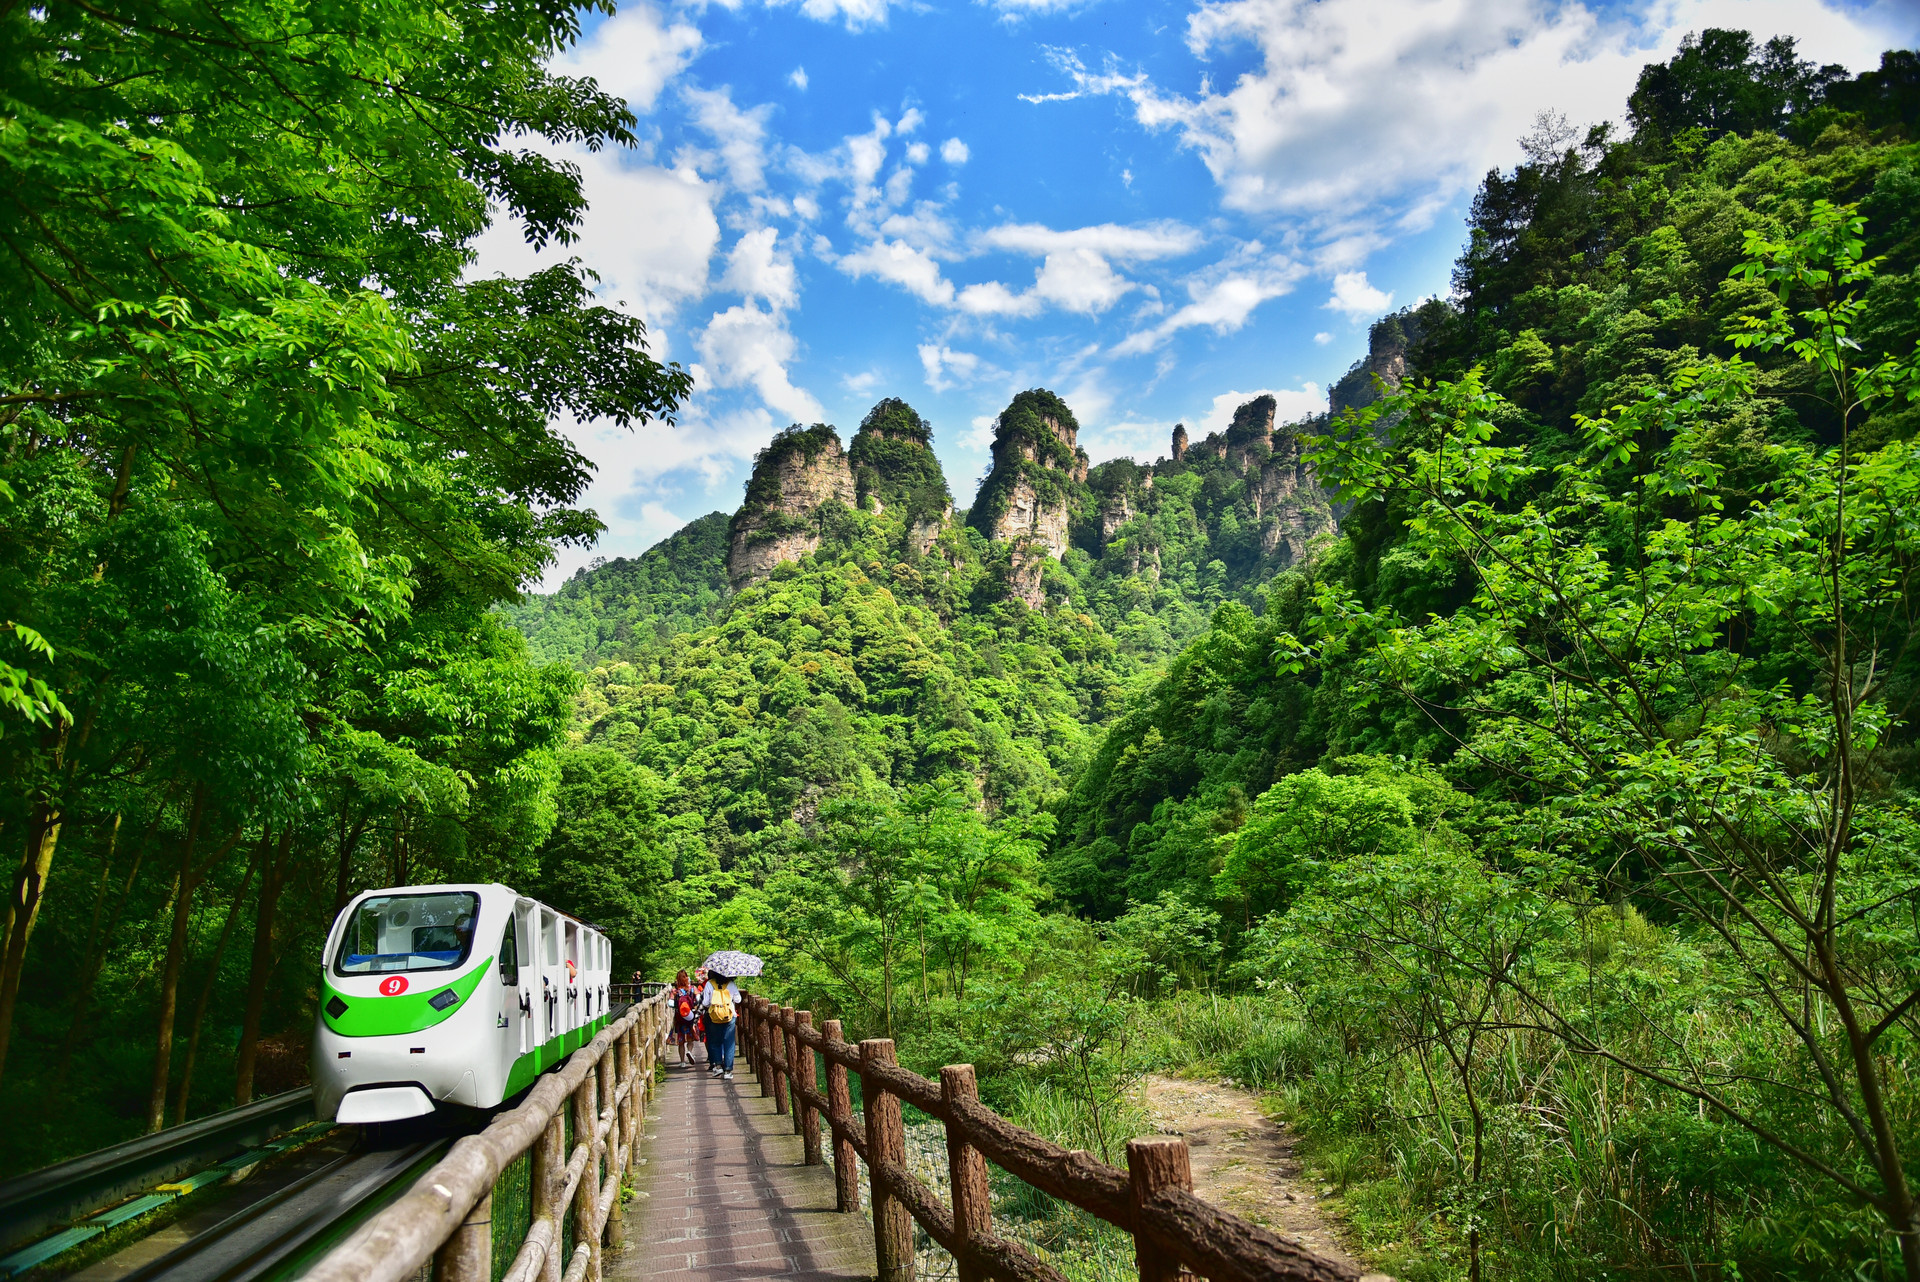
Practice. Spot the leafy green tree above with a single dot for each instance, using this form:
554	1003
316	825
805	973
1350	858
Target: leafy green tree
1694	697
1311	819
270	457
1163	946
1413	948
603	858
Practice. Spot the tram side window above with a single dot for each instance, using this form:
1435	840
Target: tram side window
509	956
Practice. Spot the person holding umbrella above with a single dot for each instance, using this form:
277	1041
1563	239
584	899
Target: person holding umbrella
720	1005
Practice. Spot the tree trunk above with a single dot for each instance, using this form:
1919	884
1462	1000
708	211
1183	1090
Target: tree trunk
272	879
206	989
170	976
98	941
343	880
24	898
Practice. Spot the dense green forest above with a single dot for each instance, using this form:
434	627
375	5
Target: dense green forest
1509	773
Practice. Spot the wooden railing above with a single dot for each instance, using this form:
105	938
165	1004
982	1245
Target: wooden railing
447	1217
1173	1230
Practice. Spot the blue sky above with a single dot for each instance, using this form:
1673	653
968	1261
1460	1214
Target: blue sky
1155	209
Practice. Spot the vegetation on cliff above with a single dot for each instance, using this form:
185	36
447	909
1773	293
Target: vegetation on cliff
1541	837
612	609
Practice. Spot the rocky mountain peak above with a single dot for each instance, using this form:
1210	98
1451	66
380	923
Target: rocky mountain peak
1388	344
1037	483
895	470
802	471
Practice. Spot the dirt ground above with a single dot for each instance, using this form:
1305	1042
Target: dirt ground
1243	1161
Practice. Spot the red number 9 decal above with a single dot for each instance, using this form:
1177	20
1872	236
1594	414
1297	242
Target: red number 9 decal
393	986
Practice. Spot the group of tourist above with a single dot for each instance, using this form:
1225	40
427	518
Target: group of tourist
706	1009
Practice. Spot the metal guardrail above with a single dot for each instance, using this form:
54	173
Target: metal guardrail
38	1200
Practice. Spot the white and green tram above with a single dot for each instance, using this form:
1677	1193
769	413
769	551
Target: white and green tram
459	994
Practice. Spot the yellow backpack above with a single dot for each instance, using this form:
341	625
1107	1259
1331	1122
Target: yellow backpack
720	1009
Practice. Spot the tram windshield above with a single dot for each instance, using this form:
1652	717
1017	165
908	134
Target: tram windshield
408	932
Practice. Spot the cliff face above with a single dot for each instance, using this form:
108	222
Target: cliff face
1289	502
1246	494
1249	438
801	472
1387	345
1037	485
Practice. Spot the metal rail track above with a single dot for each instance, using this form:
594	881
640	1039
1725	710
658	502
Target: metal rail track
35	1202
274	1236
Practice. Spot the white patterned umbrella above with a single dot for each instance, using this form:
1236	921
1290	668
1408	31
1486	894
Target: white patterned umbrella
733	965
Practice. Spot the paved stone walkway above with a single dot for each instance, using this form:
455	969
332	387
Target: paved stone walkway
725	1193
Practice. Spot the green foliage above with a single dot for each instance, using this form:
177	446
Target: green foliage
894	465
618	609
268	458
607	855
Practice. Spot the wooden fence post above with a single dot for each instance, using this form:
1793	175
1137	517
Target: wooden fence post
789	1024
467	1256
763	1046
886	1142
1155	1162
613	1071
547	1176
846	1189
743	1040
747	1038
809	1115
966	1171
642	1058
776	1047
588	1192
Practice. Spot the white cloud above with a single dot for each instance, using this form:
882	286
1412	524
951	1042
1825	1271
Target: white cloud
954	152
797	77
863	383
1354	105
1355	298
647	479
740	135
1013	10
1079	280
744	346
899	263
649	232
1223	297
1289	406
1323	338
756	268
946	368
634	54
899	184
926	228
854	13
1164	239
980	438
918	153
991	298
